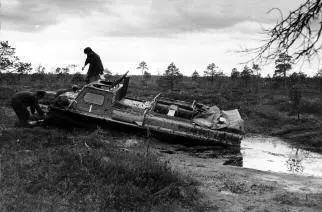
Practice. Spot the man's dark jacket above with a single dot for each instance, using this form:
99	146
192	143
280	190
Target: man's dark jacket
22	100
96	67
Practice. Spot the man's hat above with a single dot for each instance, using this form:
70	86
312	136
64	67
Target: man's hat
87	50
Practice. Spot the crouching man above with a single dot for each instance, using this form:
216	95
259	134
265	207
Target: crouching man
24	99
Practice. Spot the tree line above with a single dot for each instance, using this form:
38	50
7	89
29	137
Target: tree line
9	62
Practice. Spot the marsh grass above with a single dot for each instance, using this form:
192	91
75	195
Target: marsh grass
54	169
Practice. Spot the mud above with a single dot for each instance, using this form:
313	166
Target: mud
228	187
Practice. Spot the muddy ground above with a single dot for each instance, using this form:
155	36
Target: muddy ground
231	188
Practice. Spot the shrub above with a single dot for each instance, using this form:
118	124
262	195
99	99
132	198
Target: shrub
311	107
170	78
77	78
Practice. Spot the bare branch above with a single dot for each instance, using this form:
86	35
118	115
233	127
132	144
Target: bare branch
299	33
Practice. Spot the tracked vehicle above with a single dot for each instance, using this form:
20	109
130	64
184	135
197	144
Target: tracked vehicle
104	103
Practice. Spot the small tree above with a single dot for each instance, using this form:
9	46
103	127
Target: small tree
234	74
282	65
10	62
302	76
246	75
295	95
171	76
62	71
143	66
256	69
195	75
22	67
211	71
297	78
65	70
40	69
58	70
7	56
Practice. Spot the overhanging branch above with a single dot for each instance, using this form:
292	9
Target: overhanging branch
299	33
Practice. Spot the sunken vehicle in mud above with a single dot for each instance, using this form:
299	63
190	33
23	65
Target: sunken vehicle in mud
105	103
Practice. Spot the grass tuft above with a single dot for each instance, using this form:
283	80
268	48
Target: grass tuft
44	167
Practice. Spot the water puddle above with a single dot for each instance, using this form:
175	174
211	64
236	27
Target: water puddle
273	154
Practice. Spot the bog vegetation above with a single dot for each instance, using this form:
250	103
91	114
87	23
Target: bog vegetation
44	169
272	105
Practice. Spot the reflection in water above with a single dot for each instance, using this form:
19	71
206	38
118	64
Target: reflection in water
273	154
294	163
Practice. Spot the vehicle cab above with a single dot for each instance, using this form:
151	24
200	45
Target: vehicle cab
98	97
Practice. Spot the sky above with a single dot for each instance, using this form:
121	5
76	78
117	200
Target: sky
190	33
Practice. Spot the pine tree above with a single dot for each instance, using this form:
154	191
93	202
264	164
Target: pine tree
171	76
195	75
246	75
211	71
282	65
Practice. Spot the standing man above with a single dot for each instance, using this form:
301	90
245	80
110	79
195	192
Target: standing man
24	99
95	65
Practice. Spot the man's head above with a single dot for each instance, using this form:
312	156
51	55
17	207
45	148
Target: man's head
87	50
40	94
74	88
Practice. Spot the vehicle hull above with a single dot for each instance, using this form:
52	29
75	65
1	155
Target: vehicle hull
184	133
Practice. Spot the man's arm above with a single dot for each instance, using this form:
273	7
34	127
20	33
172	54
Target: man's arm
87	61
39	110
32	109
36	106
